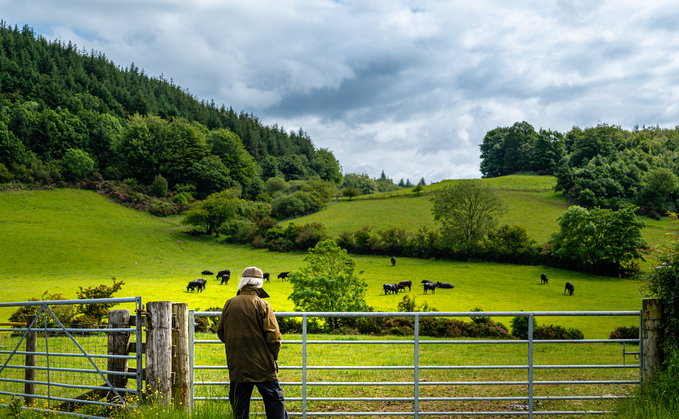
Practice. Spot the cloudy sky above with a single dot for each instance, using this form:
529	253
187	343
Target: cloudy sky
408	87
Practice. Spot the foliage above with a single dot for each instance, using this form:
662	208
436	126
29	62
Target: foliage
601	239
214	211
625	332
159	187
417	189
360	181
663	282
328	282
55	97
467	211
64	313
551	332
99	311
657	399
351	192
77	163
479	319
519	326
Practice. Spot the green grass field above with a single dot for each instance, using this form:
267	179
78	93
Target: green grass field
58	240
530	203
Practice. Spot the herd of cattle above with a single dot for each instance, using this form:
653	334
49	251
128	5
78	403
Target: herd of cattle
223	276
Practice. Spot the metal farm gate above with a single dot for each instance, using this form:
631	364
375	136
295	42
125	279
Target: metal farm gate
427	387
58	367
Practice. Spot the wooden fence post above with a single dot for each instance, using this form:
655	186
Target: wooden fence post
29	376
181	388
159	350
652	355
117	345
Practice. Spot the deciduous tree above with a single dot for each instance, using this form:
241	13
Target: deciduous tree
328	282
213	211
467	210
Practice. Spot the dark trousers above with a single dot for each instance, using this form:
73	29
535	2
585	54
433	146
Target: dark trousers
272	393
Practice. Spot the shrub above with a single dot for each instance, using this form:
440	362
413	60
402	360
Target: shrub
159	187
5	175
479	320
552	332
625	332
289	325
520	326
207	324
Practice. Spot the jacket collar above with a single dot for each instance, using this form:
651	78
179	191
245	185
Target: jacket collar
251	290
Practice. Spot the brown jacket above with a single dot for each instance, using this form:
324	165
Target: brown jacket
250	331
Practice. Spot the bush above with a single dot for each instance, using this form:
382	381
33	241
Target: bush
159	187
552	332
625	332
207	324
479	320
520	327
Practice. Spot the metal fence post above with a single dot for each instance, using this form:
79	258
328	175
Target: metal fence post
192	354
416	361
29	374
304	364
530	366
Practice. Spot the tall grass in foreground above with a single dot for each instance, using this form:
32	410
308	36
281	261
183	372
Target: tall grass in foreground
209	410
659	399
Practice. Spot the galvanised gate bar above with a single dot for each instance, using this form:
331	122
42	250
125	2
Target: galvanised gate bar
528	400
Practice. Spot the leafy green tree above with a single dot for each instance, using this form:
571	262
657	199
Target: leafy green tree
493	153
328	282
77	163
361	182
518	147
98	312
326	166
467	211
292	167
276	184
214	211
351	192
236	158
602	139
287	206
604	240
659	184
209	176
548	150
12	150
159	187
520	326
417	189
422	182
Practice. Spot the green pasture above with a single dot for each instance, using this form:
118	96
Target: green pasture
59	240
536	209
519	182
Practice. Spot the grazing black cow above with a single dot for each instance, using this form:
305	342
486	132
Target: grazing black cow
225	279
429	286
543	279
206	272
195	284
393	288
393	261
283	275
220	274
266	276
405	284
444	285
203	283
569	288
389	288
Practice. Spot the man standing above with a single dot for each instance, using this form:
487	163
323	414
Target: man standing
252	340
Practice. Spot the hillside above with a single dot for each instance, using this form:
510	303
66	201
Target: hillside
125	125
530	204
58	240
